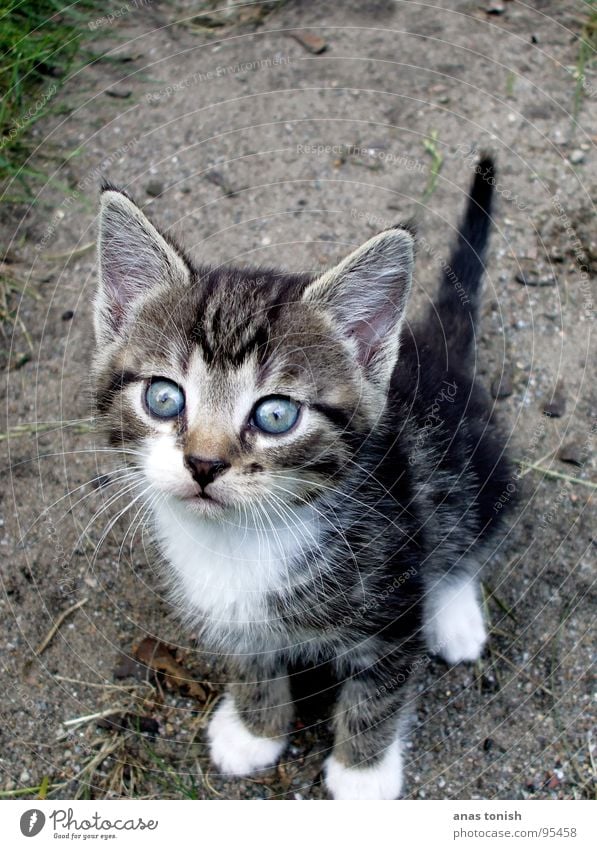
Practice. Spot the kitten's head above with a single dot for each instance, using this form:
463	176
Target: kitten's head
234	387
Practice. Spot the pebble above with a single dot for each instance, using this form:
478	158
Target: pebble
496	7
24	776
532	278
572	452
556	407
154	188
119	93
576	157
310	41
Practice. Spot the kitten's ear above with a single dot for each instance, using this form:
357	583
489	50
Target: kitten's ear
133	258
365	296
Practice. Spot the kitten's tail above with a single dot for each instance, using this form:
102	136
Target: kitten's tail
457	302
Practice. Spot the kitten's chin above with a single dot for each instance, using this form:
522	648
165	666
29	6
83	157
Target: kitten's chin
202	506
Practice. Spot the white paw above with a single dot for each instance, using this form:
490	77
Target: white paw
381	781
234	749
455	628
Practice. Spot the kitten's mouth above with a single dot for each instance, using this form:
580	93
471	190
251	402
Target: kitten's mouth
204	496
204	502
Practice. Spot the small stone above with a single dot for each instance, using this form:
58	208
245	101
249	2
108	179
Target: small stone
310	41
530	275
572	452
154	188
24	776
501	385
556	406
119	93
67	315
495	7
577	157
487	744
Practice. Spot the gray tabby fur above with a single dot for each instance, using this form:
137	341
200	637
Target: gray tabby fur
357	538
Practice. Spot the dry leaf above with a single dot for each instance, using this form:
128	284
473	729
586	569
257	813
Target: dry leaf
161	658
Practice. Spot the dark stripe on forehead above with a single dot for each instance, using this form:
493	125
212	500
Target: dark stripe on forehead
258	341
237	309
114	383
200	338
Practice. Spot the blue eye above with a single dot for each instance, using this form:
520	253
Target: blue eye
164	398
275	414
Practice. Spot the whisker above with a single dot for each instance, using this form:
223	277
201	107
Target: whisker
128	488
115	477
115	519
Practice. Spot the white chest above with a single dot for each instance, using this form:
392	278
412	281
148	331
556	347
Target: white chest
226	569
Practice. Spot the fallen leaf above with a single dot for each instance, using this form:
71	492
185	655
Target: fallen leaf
161	658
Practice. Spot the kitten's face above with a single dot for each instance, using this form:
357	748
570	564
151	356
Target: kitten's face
241	388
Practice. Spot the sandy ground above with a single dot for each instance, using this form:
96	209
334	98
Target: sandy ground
253	149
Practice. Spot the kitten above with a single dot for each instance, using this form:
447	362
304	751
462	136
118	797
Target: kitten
323	476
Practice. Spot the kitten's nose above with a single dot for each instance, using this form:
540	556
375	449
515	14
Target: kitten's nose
205	471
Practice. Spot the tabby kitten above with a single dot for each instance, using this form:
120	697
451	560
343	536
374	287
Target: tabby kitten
323	476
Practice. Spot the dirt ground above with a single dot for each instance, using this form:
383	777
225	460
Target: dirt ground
253	149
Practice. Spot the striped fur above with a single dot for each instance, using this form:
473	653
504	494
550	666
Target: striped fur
355	538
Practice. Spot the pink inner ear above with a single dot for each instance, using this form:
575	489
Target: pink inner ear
370	334
125	280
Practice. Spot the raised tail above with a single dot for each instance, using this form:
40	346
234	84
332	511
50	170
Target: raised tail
457	303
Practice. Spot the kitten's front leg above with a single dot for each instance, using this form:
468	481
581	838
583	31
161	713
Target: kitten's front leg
248	729
366	762
454	626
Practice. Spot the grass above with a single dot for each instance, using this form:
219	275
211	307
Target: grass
39	43
510	83
37	428
437	161
11	290
551	473
586	56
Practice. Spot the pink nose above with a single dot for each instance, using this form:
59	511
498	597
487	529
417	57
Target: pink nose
205	471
